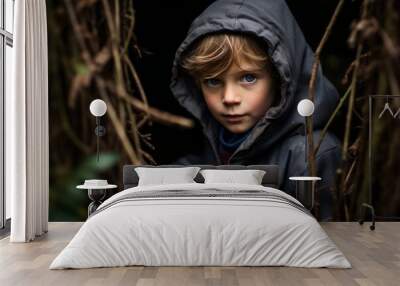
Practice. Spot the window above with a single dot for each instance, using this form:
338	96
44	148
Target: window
6	63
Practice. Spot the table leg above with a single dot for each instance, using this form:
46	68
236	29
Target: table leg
96	196
305	193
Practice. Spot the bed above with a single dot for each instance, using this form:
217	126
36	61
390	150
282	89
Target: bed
201	224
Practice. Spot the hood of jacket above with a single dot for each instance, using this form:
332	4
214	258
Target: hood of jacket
272	22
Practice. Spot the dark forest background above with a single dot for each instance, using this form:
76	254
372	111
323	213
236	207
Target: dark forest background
122	51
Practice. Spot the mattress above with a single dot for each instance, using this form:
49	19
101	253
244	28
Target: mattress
201	225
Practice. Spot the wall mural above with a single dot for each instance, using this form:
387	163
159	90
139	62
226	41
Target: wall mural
165	104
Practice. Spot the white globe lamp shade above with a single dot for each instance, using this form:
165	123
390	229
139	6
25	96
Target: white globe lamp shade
305	107
98	107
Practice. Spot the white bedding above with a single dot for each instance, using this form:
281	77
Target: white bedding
181	231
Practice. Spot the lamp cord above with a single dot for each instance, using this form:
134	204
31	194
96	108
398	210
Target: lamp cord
98	142
306	144
97	135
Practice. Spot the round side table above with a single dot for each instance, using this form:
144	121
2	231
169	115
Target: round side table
305	189
96	194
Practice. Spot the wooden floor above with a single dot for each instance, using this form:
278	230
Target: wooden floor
374	255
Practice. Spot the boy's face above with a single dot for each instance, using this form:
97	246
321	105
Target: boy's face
240	97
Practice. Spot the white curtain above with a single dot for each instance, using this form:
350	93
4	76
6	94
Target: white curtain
27	146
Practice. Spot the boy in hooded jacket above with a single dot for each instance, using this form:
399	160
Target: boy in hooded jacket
241	71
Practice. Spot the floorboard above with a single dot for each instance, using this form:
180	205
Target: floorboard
374	255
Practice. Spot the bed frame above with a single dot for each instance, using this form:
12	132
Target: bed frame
130	177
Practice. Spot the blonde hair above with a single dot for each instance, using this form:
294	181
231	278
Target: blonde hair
215	53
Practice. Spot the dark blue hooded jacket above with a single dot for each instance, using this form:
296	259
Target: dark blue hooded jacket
276	138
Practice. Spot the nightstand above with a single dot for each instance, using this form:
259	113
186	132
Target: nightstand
97	190
305	189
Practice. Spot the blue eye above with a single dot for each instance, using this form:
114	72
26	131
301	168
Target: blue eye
248	78
212	82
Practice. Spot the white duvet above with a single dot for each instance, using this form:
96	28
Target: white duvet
182	231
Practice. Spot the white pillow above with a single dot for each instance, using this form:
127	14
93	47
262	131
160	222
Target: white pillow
162	176
248	177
